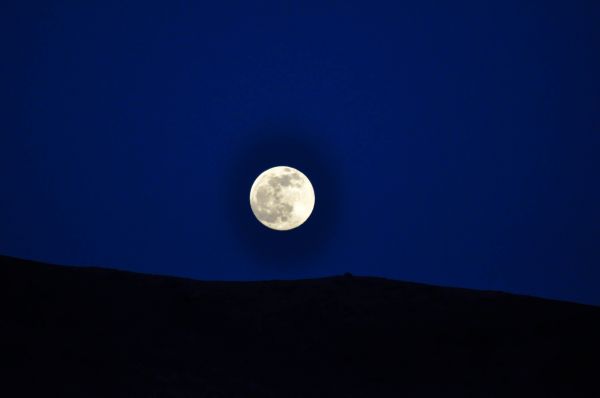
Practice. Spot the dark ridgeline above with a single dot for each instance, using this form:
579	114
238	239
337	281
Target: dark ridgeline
88	332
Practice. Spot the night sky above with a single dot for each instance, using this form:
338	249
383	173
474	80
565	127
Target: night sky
451	143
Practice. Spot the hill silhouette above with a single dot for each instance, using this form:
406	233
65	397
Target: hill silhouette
90	332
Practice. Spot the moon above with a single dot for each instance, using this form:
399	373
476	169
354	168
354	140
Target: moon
282	198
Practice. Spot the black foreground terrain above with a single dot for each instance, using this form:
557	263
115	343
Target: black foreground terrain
89	332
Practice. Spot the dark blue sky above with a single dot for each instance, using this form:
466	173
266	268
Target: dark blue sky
453	143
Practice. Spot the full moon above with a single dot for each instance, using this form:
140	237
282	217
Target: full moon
282	198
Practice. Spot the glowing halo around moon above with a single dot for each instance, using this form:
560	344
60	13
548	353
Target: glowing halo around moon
282	198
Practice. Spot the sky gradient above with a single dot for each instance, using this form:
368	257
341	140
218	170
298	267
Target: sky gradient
448	143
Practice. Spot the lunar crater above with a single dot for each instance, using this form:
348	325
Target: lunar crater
282	198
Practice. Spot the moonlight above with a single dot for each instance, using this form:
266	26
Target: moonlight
282	198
